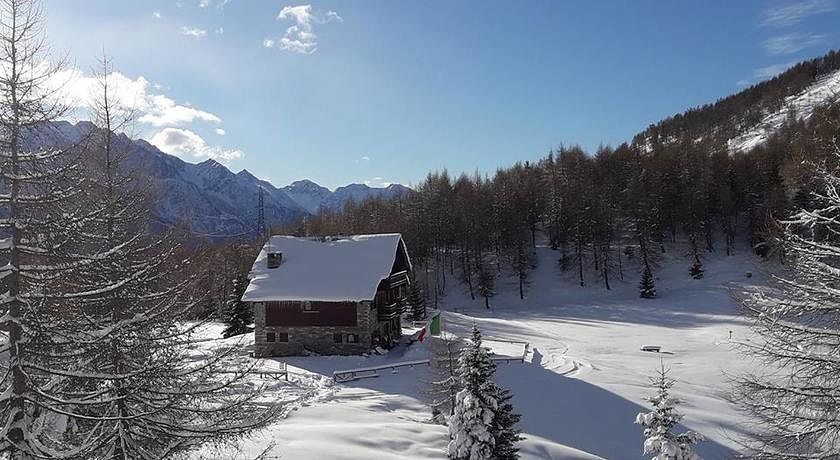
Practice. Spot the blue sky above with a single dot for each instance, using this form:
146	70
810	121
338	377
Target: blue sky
384	91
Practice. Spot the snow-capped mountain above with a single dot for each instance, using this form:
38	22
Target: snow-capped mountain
208	197
308	194
313	197
359	192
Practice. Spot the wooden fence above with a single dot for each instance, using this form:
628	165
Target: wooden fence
348	375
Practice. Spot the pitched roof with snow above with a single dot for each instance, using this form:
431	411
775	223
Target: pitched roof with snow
332	270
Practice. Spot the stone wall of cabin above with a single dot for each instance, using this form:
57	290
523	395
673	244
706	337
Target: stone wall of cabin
318	339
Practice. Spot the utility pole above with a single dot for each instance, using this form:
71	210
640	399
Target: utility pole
261	230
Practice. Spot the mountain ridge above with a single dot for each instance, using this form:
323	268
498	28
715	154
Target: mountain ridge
207	197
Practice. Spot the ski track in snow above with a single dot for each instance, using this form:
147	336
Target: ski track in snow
552	356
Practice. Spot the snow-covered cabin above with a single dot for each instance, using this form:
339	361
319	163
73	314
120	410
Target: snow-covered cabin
337	295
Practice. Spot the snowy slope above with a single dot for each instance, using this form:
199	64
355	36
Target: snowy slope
578	390
800	106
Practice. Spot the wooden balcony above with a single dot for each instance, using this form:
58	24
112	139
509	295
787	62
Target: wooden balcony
388	312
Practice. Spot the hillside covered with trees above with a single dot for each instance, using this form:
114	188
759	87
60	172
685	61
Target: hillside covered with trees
677	180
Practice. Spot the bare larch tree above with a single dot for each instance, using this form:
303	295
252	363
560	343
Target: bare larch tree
794	400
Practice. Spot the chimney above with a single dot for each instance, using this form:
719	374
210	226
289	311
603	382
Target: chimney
274	259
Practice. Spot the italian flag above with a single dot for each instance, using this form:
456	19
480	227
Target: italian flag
433	326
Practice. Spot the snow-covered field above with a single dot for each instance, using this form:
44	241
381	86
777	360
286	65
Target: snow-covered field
578	390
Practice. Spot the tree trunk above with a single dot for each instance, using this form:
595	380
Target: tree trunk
620	270
606	267
465	265
580	263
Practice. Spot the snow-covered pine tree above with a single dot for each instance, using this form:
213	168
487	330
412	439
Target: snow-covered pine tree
660	441
470	426
793	397
141	391
237	314
647	289
504	427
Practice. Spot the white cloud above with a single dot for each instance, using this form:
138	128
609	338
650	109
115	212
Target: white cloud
163	111
363	159
791	13
219	31
188	145
220	131
150	107
792	43
193	32
156	15
220	4
300	37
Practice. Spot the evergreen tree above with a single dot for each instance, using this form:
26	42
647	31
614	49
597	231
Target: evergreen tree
483	423
237	314
647	290
696	270
660	441
470	426
504	428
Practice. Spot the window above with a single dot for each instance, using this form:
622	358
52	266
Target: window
282	337
270	337
337	338
273	314
352	338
